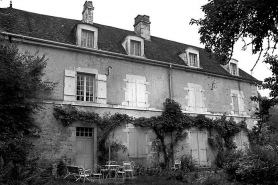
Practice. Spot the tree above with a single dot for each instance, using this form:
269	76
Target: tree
22	91
226	22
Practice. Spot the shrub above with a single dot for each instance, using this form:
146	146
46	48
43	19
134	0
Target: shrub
259	165
187	163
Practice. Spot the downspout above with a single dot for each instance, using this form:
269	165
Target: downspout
170	97
170	81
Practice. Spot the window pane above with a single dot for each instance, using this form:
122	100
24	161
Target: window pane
135	48
193	60
233	69
85	87
87	38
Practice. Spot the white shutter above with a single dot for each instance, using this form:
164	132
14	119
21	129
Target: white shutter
202	140
131	93
192	99
240	103
140	93
141	139
101	96
70	85
194	147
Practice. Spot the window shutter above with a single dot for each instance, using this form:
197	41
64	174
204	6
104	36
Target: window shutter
132	143
194	147
101	89
131	93
70	86
240	103
235	103
140	93
202	138
192	99
142	137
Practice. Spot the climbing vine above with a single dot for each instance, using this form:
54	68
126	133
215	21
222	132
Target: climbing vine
171	123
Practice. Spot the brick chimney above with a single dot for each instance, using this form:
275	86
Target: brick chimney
142	26
88	12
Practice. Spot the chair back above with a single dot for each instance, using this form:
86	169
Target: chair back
177	164
96	168
128	165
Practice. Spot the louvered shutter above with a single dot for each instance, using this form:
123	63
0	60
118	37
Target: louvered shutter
202	139
101	96
241	103
70	85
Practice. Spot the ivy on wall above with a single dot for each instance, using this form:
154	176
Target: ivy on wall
172	122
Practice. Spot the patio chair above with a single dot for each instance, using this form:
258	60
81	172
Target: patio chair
177	165
85	174
104	170
72	171
120	173
97	173
128	167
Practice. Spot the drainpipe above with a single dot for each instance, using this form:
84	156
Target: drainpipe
170	81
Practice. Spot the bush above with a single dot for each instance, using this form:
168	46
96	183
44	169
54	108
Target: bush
259	165
187	164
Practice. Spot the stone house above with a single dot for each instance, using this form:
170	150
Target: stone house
106	69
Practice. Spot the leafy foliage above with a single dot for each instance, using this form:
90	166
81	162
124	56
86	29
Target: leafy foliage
22	91
172	122
258	166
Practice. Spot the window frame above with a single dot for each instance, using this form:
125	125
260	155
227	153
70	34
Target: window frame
133	51
89	28
88	43
231	68
185	56
85	87
127	45
240	102
191	89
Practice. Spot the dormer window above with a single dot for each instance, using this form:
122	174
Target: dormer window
86	36
193	60
233	69
191	57
134	46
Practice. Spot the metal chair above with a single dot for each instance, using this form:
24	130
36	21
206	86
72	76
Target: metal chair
85	174
96	172
177	165
128	167
120	172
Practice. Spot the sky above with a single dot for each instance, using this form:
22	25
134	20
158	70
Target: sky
169	20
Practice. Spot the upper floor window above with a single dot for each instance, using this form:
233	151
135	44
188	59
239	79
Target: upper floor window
135	48
191	57
195	98
193	60
87	38
85	87
237	102
233	69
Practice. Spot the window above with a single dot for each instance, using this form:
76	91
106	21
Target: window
84	132
87	38
135	91
233	68
85	87
241	140
195	98
237	102
193	60
135	48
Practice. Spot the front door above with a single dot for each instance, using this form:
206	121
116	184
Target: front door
84	147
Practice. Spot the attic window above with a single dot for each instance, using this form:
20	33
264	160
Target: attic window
134	46
86	36
193	60
191	57
233	69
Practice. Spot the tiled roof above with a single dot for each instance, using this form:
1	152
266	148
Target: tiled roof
109	39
